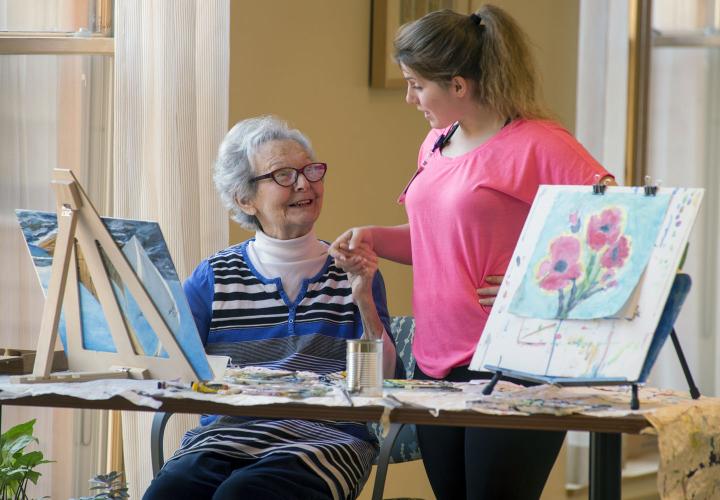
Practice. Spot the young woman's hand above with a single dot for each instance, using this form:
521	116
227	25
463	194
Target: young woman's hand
487	294
351	239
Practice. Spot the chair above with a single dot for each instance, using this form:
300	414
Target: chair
400	444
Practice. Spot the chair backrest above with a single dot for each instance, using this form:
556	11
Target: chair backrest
402	329
405	448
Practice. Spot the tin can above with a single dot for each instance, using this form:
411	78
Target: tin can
365	367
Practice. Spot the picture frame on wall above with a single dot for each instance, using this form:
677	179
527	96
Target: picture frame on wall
387	16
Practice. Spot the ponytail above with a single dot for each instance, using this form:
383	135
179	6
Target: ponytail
487	47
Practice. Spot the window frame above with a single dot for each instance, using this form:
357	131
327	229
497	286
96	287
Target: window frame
100	42
43	44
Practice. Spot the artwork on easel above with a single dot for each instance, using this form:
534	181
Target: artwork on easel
587	283
590	256
110	322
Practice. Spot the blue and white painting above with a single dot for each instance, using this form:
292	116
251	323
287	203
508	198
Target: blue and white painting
144	247
590	255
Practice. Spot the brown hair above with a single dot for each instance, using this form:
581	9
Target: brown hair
487	48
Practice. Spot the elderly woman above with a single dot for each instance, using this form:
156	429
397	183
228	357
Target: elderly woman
277	300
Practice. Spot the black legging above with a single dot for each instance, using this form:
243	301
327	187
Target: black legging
480	463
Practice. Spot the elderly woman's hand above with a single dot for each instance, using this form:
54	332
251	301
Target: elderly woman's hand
361	264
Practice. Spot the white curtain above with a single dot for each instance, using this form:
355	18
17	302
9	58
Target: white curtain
171	113
602	82
26	161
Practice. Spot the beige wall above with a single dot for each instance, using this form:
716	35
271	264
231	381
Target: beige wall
307	61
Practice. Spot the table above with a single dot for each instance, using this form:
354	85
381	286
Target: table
605	440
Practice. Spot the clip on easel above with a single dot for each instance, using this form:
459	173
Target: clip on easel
649	188
665	328
599	187
80	224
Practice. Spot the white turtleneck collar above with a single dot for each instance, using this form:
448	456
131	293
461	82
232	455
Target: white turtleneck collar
292	260
294	250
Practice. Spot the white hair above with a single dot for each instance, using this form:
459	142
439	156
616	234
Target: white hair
234	165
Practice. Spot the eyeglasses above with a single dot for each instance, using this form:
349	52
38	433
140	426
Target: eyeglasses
287	176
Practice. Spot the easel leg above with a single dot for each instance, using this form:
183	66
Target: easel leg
605	466
487	390
634	400
55	294
694	391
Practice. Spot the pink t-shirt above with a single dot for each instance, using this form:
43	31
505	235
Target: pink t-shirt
465	215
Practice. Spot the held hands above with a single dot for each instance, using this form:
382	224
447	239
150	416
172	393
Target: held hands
487	294
353	252
361	264
349	240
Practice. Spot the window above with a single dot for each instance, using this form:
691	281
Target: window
56	102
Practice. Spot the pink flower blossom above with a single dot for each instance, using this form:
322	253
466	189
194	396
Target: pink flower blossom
617	253
604	229
556	272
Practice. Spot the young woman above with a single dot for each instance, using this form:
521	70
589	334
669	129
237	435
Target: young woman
490	147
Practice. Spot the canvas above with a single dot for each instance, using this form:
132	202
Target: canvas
544	340
144	248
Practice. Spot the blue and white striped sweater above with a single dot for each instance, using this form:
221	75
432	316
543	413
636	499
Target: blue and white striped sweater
249	317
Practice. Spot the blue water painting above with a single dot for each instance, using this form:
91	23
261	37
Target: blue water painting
590	255
145	249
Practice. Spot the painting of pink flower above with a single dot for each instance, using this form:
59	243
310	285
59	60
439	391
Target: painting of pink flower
588	253
617	253
604	229
556	272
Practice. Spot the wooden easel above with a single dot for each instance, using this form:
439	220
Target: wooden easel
80	224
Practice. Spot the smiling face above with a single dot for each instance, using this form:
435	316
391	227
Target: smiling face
441	105
284	212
